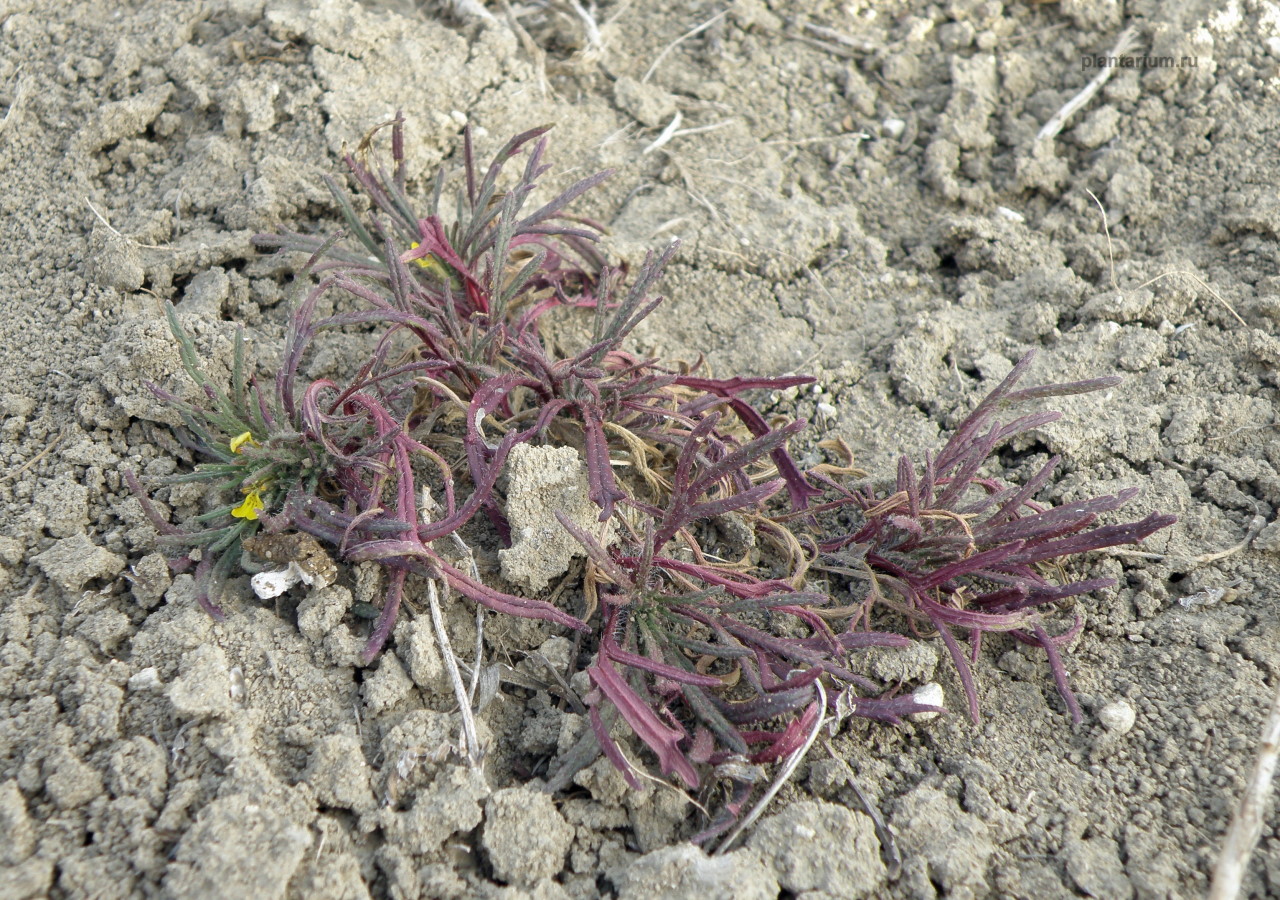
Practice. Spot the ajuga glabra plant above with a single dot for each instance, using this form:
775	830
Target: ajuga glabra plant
713	664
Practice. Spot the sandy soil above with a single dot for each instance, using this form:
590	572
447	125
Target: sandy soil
861	195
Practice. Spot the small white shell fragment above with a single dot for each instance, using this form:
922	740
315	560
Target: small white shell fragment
237	689
931	695
1010	214
268	585
826	411
894	127
147	679
1117	717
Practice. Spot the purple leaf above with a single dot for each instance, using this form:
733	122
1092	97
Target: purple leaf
662	739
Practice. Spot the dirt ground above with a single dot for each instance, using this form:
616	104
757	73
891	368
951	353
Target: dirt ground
861	195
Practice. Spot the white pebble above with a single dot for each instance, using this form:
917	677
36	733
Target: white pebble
894	127
147	679
826	411
931	695
1117	717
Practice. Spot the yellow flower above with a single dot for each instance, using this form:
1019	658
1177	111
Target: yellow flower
240	440
251	506
430	262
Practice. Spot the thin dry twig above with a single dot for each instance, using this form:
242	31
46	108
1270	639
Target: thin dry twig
1255	526
784	775
667	134
1106	229
1200	282
888	844
1126	42
537	55
1246	826
462	8
839	37
591	30
103	219
693	32
49	448
662	782
472	743
15	107
1241	430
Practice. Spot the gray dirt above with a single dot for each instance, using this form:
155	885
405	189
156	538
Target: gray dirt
861	195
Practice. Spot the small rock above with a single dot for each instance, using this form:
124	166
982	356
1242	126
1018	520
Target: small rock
343	647
123	118
674	873
645	103
320	611
206	293
895	665
32	878
150	578
544	481
65	505
1268	539
138	769
117	263
526	837
75	560
239	847
68	781
798	843
1094	15
203	685
11	551
748	14
450	804
1097	869
387	686
339	774
15	824
942	845
1118	717
252	105
416	639
1101	126
106	629
145	680
931	695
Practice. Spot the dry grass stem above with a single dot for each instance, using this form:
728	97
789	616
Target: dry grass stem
693	32
470	741
1246	827
784	775
1126	42
667	134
